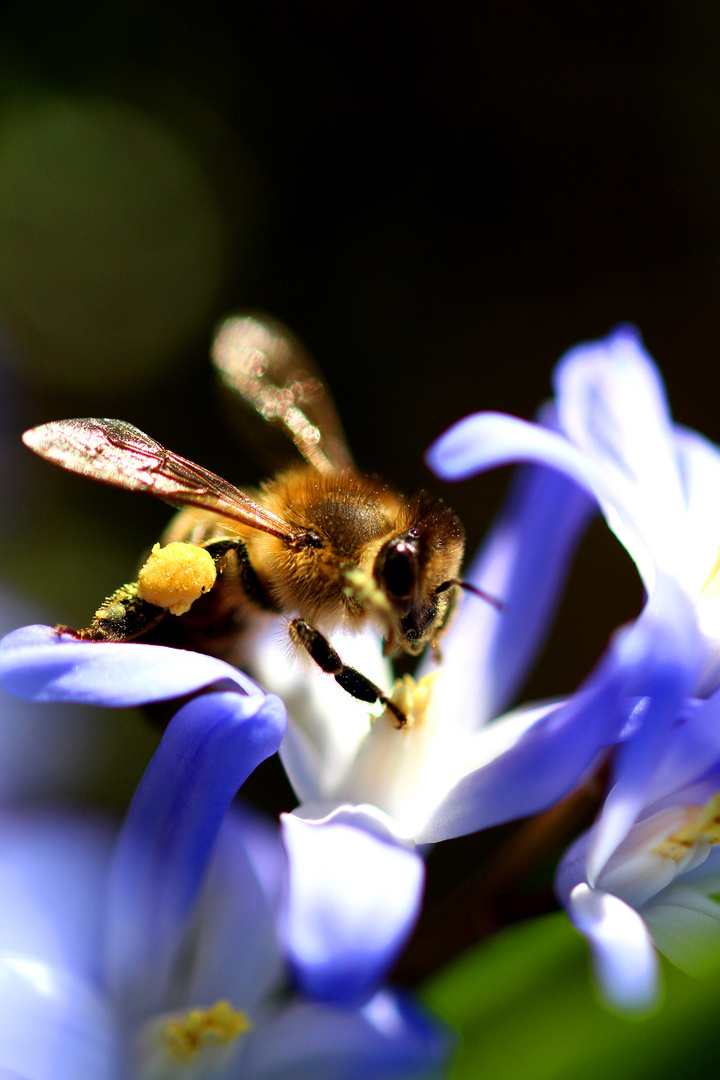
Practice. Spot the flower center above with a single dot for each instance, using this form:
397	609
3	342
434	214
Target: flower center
192	1044
413	698
187	1035
702	823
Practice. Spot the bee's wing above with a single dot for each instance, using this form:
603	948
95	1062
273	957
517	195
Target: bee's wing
260	360
119	454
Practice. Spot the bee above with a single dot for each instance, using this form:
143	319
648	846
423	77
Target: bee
320	542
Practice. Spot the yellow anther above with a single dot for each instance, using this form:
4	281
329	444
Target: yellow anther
702	824
711	588
175	576
413	698
200	1029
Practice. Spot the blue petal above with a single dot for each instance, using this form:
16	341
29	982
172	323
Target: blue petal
611	403
524	562
39	665
53	1025
389	1037
53	869
237	952
549	757
210	747
353	899
659	660
488	440
625	961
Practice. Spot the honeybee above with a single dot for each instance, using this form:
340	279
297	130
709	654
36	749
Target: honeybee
320	543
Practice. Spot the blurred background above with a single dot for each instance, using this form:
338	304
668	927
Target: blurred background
440	203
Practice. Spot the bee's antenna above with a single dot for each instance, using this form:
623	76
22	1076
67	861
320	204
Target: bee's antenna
496	603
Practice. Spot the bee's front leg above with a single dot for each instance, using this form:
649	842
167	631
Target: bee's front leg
351	680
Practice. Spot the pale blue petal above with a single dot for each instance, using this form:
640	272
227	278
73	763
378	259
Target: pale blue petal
611	403
543	761
236	953
699	463
353	899
389	1037
693	749
658	658
210	747
487	440
524	562
39	665
624	959
53	870
54	1025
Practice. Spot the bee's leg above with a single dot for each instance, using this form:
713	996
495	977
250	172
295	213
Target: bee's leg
122	617
356	684
251	584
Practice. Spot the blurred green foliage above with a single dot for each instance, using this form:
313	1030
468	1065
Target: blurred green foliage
112	244
523	1006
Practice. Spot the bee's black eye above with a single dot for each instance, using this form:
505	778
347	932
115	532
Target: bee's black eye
399	572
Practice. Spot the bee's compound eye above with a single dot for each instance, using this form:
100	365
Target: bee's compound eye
399	571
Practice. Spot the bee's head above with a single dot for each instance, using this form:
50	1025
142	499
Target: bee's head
416	568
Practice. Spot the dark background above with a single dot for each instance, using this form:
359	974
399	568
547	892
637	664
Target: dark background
440	203
440	200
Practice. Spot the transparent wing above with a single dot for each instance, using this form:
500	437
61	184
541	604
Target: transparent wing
260	360
119	454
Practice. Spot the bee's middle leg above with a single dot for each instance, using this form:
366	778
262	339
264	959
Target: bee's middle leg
354	682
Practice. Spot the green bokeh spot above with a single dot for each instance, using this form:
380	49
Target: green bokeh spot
111	241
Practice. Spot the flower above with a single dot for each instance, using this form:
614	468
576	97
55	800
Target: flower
656	484
152	953
659	888
368	791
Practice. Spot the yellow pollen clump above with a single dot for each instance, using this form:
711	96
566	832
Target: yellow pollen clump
175	576
413	698
201	1028
702	824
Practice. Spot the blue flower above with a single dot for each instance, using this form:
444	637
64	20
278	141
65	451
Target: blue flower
369	793
656	485
153	953
658	889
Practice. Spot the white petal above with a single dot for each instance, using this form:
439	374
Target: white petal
686	928
624	958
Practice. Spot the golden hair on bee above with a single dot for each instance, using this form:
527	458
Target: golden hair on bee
320	542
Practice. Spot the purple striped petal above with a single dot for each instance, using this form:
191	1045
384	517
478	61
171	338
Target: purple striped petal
524	562
210	747
612	404
659	660
39	665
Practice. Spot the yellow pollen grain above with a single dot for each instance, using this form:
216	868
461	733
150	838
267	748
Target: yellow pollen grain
201	1028
364	588
702	823
413	698
175	576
